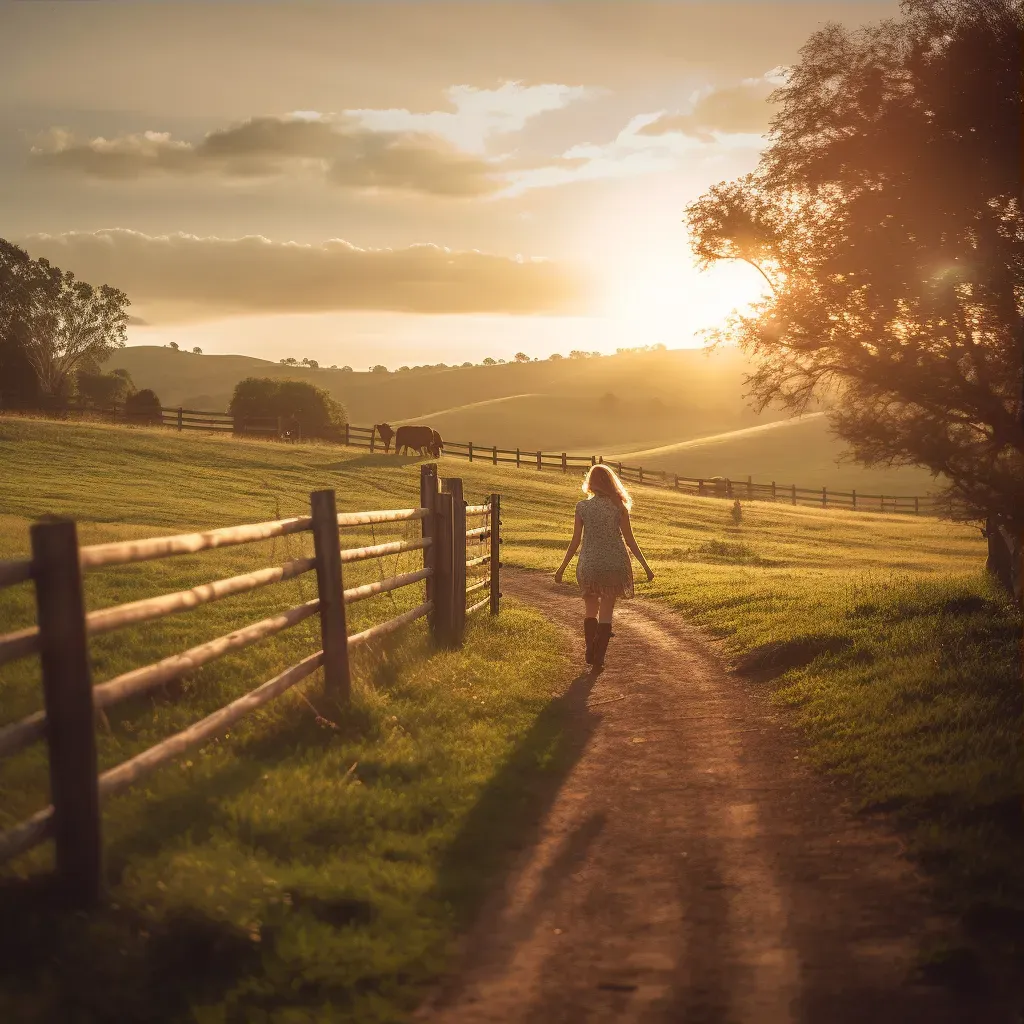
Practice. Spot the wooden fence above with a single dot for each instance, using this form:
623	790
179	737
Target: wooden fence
711	487
61	639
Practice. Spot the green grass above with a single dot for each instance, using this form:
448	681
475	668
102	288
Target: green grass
878	635
315	862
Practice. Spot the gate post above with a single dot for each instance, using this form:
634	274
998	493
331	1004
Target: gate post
441	620
495	561
458	621
428	499
331	590
67	693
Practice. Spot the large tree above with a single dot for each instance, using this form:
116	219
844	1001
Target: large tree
55	323
886	214
72	326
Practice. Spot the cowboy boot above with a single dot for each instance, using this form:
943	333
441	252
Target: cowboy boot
590	635
604	633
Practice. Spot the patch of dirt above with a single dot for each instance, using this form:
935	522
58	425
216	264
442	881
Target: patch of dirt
690	869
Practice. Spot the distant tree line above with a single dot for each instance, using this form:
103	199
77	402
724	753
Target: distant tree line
53	328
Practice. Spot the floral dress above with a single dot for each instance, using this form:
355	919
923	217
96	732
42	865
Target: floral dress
604	567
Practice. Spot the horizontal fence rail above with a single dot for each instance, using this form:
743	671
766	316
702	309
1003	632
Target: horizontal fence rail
61	636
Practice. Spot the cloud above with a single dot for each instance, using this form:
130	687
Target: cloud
438	153
342	152
740	109
478	114
720	120
179	277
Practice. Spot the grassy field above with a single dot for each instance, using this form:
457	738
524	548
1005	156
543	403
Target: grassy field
879	636
315	862
654	403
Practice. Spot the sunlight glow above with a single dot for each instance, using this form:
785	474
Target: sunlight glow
668	302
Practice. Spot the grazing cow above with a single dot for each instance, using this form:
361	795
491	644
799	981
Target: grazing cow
438	445
420	439
385	432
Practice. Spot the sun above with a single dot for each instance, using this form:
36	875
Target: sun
667	301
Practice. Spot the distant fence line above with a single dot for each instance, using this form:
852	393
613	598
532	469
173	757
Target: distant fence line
61	640
712	487
709	487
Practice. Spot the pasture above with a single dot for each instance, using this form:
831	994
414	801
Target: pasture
326	858
633	402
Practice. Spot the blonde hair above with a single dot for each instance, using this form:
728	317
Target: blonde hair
602	480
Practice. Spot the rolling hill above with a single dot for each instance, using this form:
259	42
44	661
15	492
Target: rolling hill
801	451
680	410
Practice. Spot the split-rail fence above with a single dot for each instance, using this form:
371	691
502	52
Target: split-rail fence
710	487
63	628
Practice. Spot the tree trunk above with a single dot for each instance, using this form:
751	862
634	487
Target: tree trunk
1004	556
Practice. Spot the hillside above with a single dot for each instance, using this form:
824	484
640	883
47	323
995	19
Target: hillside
319	857
798	451
643	398
681	410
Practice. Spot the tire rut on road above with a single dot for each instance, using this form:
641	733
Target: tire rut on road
690	868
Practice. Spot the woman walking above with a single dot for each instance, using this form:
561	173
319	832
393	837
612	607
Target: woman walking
604	572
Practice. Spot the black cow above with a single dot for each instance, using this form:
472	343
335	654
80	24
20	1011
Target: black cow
385	432
438	445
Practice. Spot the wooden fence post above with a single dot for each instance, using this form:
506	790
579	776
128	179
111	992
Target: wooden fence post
495	562
824	497
750	488
494	455
538	460
470	451
564	466
331	589
593	460
675	482
854	493
373	438
67	693
444	602
773	490
428	499
458	623
700	488
641	474
346	435
180	411
517	458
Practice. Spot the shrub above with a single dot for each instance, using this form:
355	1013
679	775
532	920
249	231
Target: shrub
143	407
299	404
103	389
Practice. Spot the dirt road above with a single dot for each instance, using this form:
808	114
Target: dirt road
690	869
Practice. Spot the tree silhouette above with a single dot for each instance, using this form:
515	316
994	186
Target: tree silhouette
886	216
521	357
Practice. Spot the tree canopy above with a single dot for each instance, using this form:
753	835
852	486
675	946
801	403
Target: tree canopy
885	214
309	408
54	322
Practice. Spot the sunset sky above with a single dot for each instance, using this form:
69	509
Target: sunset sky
395	183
